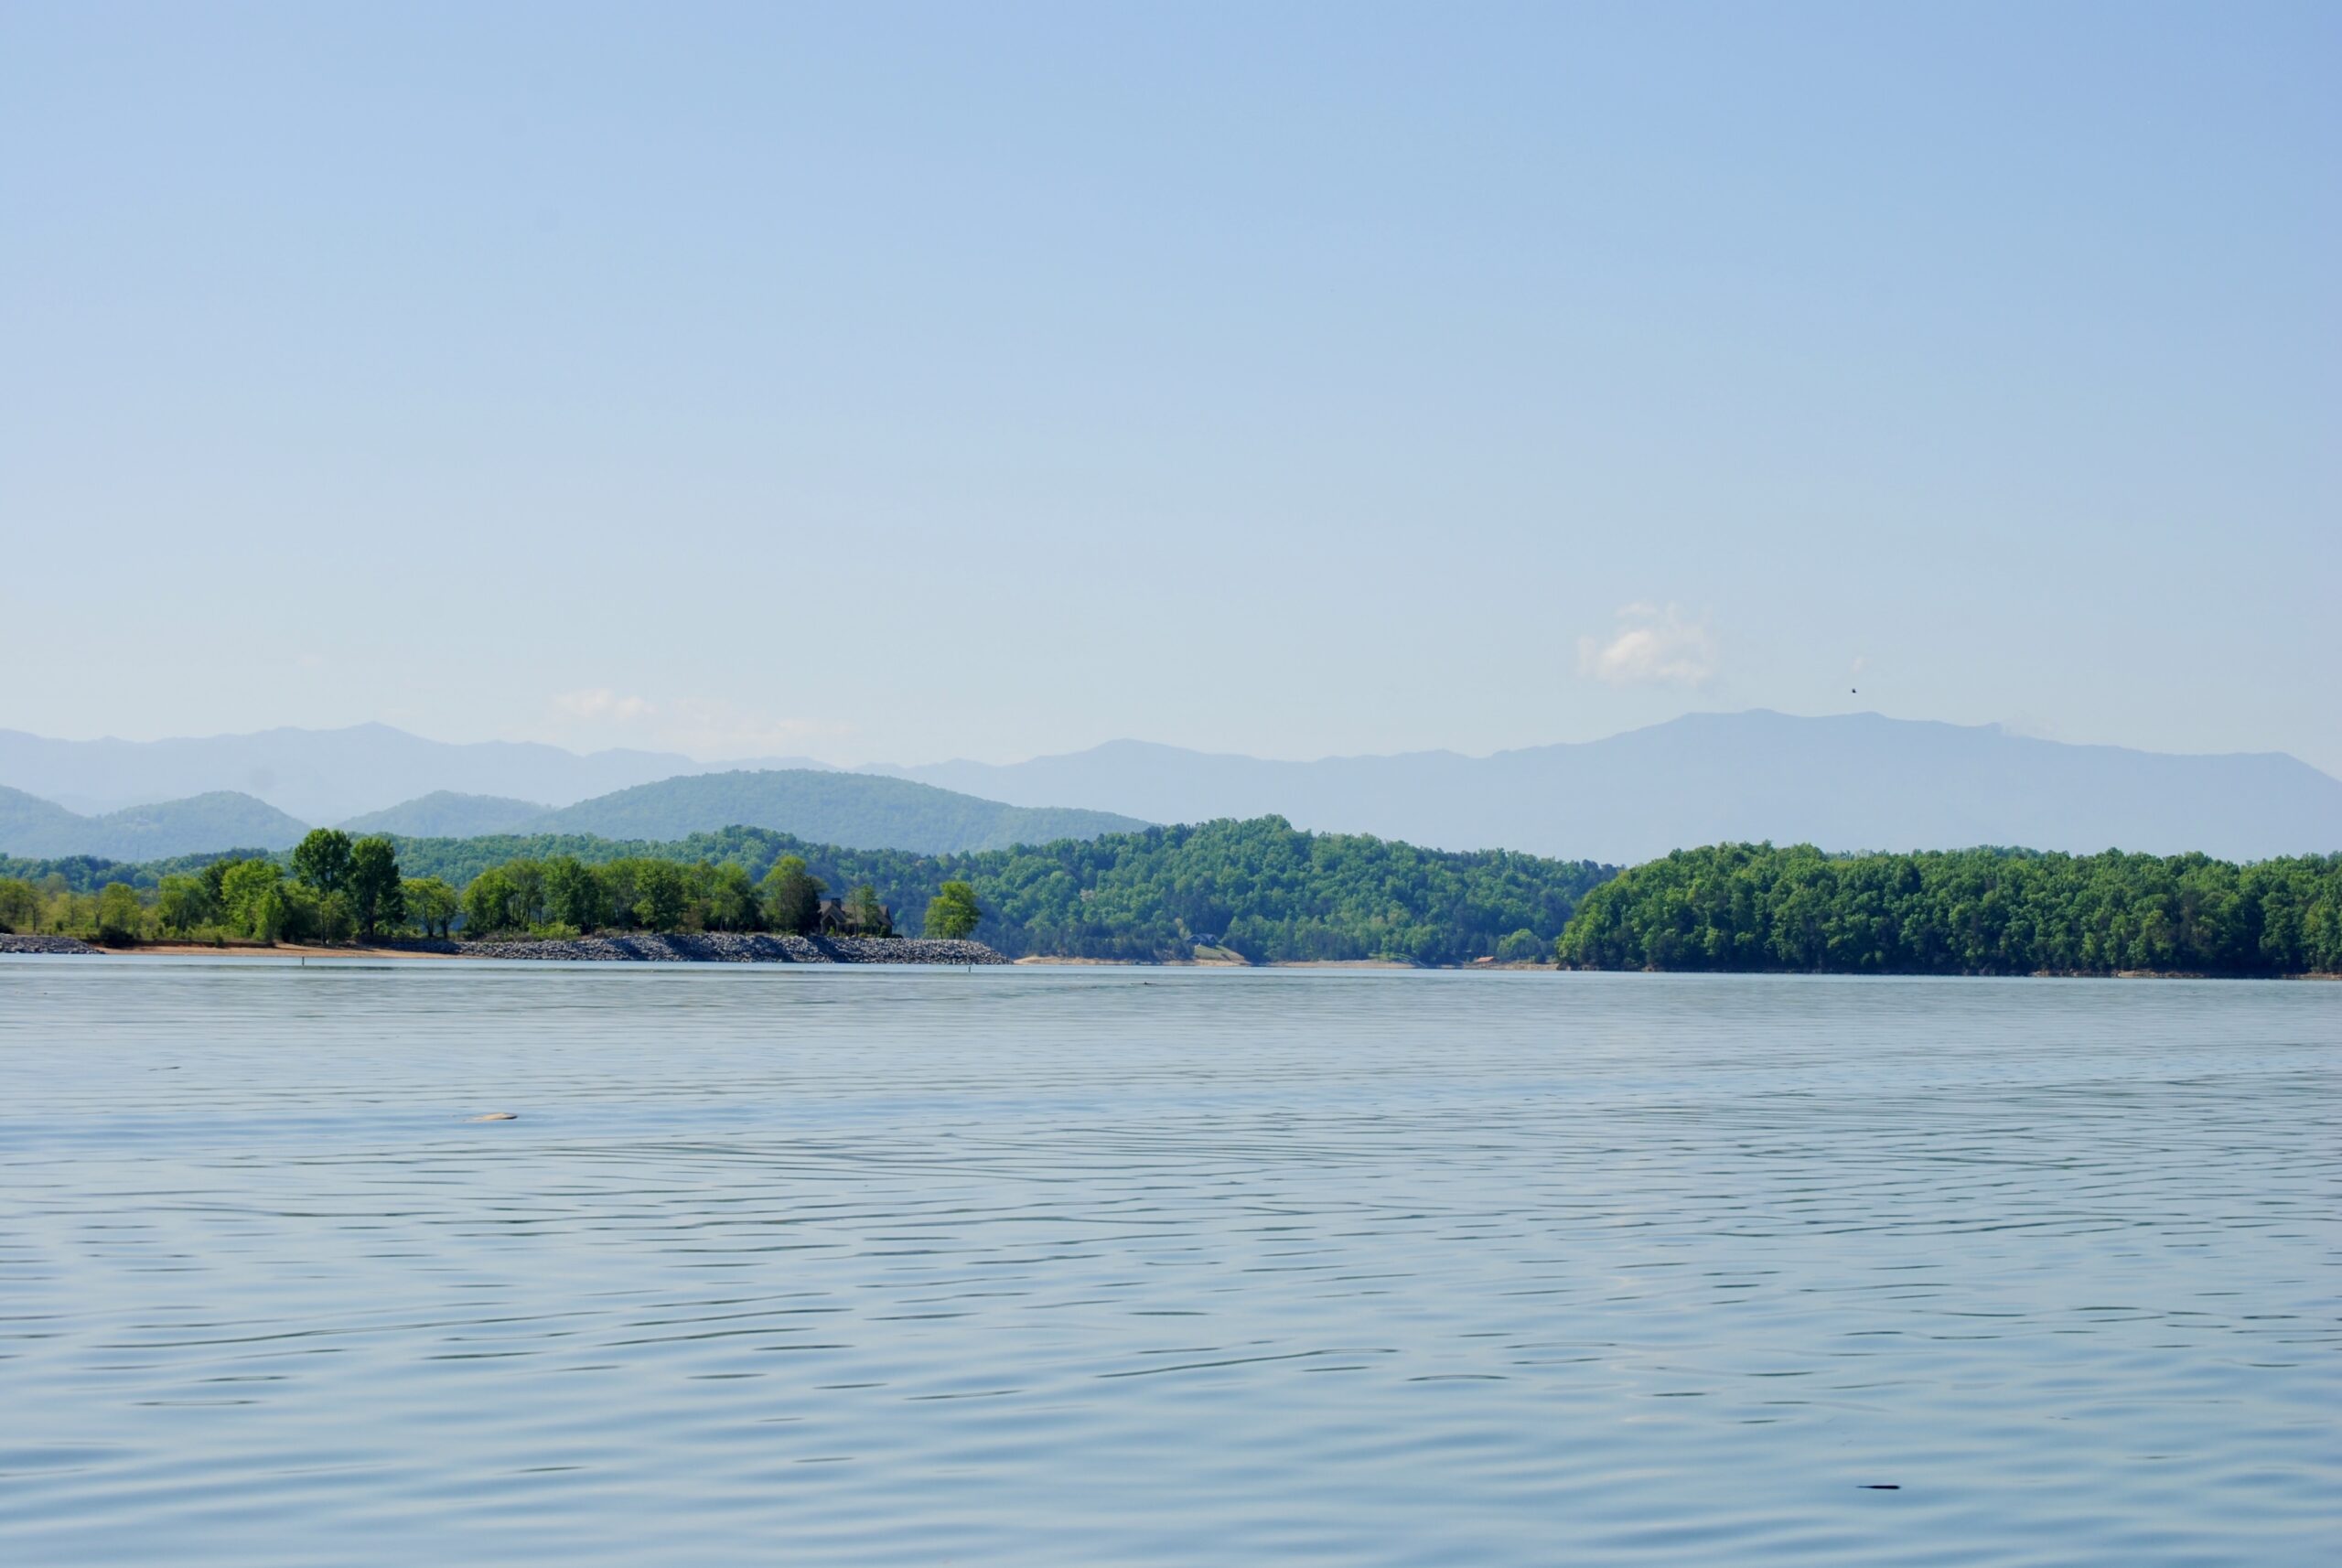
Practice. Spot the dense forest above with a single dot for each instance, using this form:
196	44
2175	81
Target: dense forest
329	887
1260	889
1983	911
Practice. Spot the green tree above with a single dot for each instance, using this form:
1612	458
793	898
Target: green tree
335	917
865	914
575	894
728	900
431	903
376	895
19	905
952	914
792	896
321	860
1524	946
215	877
660	896
119	917
488	904
251	896
182	903
301	912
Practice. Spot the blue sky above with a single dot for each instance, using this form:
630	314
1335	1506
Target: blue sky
901	382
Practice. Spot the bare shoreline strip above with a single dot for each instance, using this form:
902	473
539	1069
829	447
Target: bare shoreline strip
705	946
731	947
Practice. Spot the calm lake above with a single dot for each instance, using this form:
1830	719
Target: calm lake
1105	1266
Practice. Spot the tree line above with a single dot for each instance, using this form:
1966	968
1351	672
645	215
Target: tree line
1981	911
1260	889
562	895
332	888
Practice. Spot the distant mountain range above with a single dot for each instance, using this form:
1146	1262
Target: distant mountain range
853	811
42	829
1857	781
327	776
445	814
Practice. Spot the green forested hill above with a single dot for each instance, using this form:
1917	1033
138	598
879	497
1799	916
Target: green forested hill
1984	911
1259	888
857	810
1273	893
30	826
1262	888
444	813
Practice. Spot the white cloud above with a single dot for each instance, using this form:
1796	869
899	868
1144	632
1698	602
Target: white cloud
603	704
1650	646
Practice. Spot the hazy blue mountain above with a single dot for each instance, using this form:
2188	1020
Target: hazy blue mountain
221	820
445	814
1856	782
856	811
29	820
322	776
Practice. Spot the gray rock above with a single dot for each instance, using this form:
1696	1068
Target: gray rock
719	947
10	944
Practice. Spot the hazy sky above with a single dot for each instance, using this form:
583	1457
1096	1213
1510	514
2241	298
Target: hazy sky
878	382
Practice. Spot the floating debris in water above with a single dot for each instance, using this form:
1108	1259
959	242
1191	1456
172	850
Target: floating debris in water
1881	1486
498	1116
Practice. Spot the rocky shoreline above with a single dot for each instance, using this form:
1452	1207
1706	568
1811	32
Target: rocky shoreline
719	947
26	944
705	946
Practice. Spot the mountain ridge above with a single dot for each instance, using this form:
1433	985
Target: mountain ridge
447	813
853	811
318	776
827	806
1844	782
220	819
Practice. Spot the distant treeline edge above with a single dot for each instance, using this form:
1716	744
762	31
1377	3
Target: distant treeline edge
1259	888
1271	893
1981	911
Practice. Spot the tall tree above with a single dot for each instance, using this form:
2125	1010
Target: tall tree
431	903
660	895
118	913
792	896
952	913
865	914
252	894
574	895
19	905
375	894
322	859
183	903
730	900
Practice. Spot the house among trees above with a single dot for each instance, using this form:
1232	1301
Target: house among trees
859	914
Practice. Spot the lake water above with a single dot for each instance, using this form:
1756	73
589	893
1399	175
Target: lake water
1107	1266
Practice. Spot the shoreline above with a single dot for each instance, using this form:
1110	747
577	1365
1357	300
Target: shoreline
764	947
702	947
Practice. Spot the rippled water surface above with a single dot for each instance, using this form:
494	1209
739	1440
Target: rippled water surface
1087	1266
